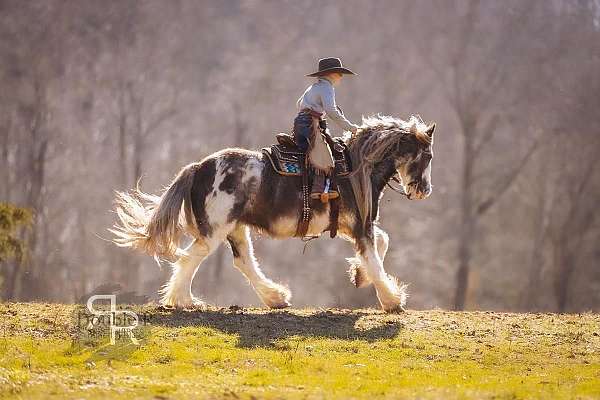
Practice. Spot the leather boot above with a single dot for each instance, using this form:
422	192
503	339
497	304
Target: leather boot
318	186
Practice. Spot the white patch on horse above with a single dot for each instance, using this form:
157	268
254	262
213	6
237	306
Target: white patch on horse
218	207
252	171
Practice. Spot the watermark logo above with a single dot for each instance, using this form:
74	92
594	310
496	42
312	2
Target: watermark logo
121	322
108	328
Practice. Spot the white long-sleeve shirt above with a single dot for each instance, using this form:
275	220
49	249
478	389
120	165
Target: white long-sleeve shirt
320	97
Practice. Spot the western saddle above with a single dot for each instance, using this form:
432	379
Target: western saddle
288	160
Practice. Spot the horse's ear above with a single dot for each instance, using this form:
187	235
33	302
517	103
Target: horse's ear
430	130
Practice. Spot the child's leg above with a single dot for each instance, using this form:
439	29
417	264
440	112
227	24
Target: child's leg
302	131
318	185
302	142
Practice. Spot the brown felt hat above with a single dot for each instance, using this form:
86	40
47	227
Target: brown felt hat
331	64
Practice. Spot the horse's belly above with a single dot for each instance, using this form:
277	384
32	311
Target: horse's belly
318	223
284	227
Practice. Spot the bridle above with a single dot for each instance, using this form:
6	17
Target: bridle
396	178
398	189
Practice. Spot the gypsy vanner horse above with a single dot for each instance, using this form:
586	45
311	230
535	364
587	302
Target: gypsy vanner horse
233	190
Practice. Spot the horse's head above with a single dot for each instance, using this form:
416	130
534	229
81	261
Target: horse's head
413	160
399	147
386	146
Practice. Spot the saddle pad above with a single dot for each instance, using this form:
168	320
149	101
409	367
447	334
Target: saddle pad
285	160
289	161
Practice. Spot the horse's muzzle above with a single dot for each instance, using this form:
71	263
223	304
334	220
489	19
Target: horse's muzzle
416	193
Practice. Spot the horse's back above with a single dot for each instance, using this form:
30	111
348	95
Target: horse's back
224	183
246	189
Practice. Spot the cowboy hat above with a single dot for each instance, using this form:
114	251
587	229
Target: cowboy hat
331	64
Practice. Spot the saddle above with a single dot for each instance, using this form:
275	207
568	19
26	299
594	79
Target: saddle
288	160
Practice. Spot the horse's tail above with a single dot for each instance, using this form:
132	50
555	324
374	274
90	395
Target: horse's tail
152	223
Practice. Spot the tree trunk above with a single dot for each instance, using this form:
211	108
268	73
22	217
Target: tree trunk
467	227
122	121
4	167
11	280
562	277
541	222
240	126
464	265
36	170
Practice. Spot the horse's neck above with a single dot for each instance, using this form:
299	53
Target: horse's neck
382	173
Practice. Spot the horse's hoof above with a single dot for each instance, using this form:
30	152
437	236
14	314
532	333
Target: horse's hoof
274	295
197	305
281	305
192	303
395	310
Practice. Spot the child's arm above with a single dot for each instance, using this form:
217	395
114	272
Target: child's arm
332	111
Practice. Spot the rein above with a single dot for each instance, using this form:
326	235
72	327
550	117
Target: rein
398	189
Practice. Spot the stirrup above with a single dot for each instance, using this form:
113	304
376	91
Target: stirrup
325	197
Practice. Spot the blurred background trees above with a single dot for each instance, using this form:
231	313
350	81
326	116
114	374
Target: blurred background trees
13	221
96	96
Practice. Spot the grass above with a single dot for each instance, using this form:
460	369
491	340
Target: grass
297	354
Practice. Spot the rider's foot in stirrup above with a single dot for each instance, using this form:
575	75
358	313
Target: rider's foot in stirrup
318	186
325	197
321	189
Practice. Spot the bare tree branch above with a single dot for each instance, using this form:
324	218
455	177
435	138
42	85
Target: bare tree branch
485	205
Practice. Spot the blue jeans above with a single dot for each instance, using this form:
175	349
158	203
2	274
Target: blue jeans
302	130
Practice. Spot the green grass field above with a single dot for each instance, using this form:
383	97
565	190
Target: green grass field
296	354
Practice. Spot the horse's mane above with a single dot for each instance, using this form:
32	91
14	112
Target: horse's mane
377	135
385	125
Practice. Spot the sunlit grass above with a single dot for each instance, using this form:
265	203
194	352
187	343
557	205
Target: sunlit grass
304	354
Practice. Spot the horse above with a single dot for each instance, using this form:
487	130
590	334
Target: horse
233	191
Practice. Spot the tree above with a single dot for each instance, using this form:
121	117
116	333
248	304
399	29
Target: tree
479	50
12	222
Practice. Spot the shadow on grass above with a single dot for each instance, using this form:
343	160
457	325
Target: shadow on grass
264	329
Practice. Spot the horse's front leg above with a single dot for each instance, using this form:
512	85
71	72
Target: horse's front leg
392	295
358	272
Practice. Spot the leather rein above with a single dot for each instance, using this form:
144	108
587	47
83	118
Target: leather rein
397	189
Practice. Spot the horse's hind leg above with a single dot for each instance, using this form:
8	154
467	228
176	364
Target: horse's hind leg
272	294
178	291
358	273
